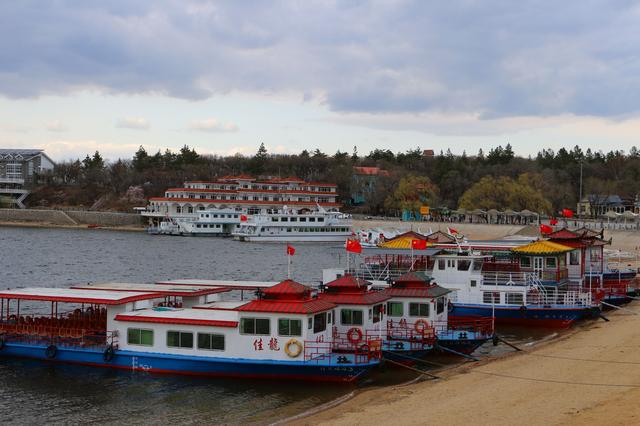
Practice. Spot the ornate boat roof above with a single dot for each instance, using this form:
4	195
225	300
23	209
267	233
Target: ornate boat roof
542	247
288	297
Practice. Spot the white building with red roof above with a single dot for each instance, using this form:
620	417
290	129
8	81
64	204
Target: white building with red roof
244	194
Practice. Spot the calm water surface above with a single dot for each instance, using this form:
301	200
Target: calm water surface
33	392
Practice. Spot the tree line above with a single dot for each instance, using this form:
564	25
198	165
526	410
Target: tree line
497	179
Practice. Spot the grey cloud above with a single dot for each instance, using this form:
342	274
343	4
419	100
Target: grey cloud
493	58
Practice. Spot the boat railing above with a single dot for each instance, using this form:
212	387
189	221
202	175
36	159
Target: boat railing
60	336
540	296
504	278
336	351
418	333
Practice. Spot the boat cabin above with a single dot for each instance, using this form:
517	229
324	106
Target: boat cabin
359	311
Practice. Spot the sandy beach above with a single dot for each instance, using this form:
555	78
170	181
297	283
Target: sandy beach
589	375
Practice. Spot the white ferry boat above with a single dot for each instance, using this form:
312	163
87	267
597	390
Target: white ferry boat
285	334
207	223
318	225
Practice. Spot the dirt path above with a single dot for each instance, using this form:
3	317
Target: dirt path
591	376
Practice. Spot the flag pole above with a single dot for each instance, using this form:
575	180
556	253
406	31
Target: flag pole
288	266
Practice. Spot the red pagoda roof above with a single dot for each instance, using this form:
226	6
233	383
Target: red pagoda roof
430	292
348	281
309	306
440	237
288	297
287	290
349	290
413	279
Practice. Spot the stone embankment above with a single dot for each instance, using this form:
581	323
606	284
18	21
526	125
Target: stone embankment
71	218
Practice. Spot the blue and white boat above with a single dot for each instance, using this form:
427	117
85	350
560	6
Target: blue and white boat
284	334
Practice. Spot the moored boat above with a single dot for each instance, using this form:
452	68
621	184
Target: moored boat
285	334
292	226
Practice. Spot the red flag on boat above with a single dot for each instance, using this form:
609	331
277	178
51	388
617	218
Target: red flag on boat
452	231
243	218
545	229
553	221
418	244
567	213
354	246
290	250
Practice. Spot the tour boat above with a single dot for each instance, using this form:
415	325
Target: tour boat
528	287
284	334
320	226
207	223
416	317
416	303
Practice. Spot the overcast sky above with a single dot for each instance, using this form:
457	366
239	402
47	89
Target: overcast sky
224	76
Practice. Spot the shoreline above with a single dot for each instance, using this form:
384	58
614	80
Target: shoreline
46	225
557	381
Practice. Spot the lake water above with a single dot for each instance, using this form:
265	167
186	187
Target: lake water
34	392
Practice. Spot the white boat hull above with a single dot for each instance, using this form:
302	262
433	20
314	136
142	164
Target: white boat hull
293	238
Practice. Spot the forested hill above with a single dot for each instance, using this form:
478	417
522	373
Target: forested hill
495	179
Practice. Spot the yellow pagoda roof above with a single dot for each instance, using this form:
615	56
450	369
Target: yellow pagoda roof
400	242
542	247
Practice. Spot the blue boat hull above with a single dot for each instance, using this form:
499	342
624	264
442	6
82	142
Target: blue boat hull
191	365
556	317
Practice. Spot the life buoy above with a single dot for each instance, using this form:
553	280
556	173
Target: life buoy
108	353
51	351
354	335
293	353
420	326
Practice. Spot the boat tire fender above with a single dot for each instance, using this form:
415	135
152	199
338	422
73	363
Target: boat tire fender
449	307
295	352
420	326
51	351
108	353
354	335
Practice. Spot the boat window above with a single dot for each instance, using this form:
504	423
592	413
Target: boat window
514	298
180	339
312	219
309	323
451	263
477	265
140	336
320	322
574	257
473	283
285	219
275	219
418	309
329	318
377	313
441	264
550	262
255	326
294	219
395	309
289	327
211	342
303	219
491	297
321	219
351	317
463	265
525	262
440	305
